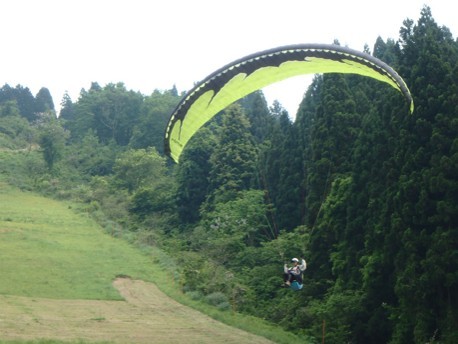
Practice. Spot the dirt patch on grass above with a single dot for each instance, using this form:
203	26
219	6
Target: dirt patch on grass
146	316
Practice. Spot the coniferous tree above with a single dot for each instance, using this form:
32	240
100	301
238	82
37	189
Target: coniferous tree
283	172
233	159
67	111
271	164
192	175
425	215
43	101
257	112
24	99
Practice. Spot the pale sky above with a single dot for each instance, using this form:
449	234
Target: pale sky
65	45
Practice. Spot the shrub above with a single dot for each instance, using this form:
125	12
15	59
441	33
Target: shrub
216	298
224	306
194	295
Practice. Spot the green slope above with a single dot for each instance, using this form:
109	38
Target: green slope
47	250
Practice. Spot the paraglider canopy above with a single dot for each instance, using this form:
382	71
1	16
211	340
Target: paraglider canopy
253	72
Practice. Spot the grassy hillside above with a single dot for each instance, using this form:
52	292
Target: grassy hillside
46	250
49	251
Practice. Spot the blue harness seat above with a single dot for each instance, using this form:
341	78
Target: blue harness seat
296	286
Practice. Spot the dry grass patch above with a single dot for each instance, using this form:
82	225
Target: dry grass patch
146	316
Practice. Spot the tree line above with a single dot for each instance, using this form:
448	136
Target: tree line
365	192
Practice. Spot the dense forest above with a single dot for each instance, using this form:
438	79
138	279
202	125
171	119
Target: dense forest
364	191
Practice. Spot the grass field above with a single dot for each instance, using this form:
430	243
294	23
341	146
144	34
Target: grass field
46	250
58	284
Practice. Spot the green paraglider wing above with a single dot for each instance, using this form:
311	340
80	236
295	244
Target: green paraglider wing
256	71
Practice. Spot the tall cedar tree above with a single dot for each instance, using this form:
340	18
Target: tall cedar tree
327	126
67	111
192	175
43	101
25	100
281	172
233	159
425	216
257	111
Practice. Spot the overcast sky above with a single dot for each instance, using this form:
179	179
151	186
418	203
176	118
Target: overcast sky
65	45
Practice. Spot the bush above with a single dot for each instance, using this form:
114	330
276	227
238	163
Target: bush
224	306
194	295
216	298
